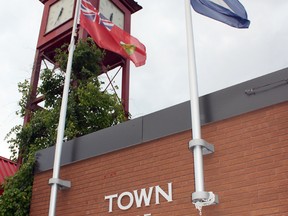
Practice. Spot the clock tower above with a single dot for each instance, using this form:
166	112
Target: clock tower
56	30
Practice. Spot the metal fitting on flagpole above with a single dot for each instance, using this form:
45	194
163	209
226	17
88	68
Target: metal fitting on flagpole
206	147
203	198
62	184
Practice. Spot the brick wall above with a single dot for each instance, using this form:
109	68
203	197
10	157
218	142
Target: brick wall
249	172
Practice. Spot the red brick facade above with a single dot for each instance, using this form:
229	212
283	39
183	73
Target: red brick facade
248	170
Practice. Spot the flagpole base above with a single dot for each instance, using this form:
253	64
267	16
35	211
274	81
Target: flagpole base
207	148
62	184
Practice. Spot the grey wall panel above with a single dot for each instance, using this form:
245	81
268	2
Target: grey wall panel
232	101
44	159
169	121
101	142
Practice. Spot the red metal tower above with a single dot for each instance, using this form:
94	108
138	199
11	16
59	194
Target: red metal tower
55	32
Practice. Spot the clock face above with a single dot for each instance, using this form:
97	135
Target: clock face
112	12
59	13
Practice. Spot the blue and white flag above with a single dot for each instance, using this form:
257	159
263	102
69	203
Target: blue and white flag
230	12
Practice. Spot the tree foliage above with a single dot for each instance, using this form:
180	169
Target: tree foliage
89	109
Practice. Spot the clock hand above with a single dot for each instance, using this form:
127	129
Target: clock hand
111	17
60	13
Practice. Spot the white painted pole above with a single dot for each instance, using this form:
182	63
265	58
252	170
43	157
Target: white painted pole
194	101
62	117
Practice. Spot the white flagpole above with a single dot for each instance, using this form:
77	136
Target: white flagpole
197	144
55	181
194	101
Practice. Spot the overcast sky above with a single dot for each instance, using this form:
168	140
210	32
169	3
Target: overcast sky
225	56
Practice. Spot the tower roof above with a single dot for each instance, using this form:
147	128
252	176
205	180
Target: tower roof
7	168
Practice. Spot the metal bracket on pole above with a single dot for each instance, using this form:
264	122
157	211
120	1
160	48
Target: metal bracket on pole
201	196
62	184
207	148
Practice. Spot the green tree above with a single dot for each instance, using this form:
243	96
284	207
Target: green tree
89	109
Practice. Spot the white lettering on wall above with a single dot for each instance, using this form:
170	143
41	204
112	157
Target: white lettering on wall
131	201
167	196
110	197
143	195
142	198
